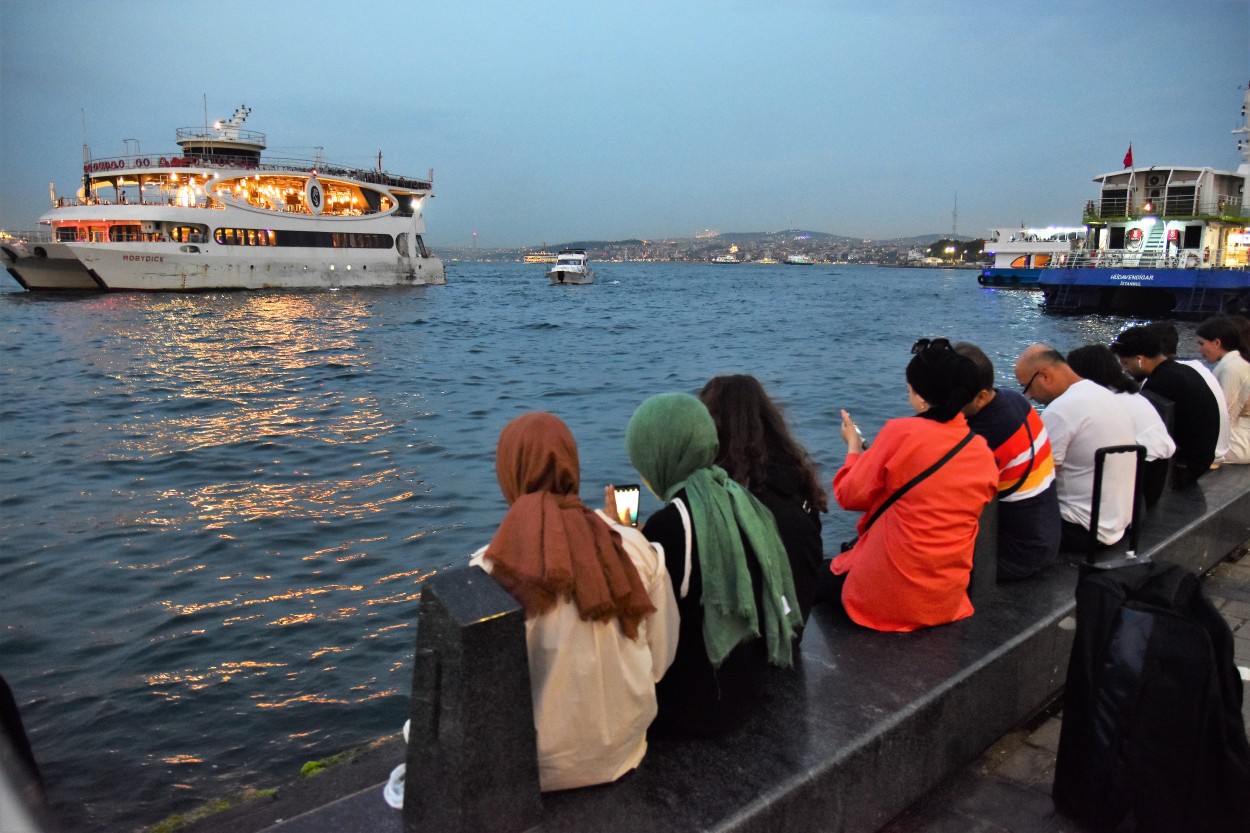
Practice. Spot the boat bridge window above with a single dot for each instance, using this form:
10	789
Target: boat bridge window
1114	203
1193	237
1180	200
1116	240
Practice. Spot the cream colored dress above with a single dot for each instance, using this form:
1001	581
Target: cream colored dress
594	688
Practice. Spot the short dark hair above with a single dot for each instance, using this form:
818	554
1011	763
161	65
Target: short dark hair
985	368
1169	340
1097	363
1137	341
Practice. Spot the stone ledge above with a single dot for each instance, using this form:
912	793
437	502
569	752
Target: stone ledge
869	721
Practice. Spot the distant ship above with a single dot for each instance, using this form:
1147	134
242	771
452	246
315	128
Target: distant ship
215	215
1021	254
798	260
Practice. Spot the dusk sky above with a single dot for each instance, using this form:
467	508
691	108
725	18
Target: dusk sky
549	121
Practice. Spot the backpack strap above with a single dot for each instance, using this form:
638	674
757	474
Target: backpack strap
902	490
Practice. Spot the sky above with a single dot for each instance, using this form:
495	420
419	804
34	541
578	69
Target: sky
550	121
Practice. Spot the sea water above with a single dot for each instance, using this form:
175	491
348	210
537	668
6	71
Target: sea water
217	510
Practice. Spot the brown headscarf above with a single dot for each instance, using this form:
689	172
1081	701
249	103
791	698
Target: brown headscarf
550	545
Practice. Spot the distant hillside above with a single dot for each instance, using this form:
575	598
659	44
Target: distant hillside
924	239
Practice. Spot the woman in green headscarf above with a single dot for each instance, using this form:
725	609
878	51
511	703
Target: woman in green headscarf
729	570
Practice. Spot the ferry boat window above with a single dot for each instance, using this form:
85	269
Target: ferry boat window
1116	240
1193	237
1020	262
66	234
1114	204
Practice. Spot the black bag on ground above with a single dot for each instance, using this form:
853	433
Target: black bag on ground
1152	736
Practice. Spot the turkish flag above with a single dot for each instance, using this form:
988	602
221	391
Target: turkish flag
1128	157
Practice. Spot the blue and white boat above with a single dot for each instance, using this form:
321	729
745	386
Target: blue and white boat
1022	254
1162	240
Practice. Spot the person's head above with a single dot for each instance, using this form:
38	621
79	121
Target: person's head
670	436
1217	336
1140	351
1169	339
985	376
1043	373
1097	363
536	453
752	433
940	382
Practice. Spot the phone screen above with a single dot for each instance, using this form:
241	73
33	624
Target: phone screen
627	503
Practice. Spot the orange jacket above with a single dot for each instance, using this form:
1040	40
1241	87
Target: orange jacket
911	568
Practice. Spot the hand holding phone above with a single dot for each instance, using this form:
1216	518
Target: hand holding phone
626	500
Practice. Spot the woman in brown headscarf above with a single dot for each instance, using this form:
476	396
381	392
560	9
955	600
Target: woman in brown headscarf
600	617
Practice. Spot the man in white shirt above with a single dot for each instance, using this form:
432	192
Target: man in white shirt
1082	417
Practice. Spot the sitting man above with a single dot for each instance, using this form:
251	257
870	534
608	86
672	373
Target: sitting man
1169	340
1028	500
1082	417
1196	412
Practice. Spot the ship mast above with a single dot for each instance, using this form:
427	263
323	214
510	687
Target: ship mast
1243	144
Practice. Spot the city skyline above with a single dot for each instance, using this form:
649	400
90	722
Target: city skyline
559	121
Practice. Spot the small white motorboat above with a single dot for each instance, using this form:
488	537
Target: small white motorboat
571	268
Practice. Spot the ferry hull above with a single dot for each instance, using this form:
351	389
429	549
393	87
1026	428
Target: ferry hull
47	266
1181	292
154	269
1010	278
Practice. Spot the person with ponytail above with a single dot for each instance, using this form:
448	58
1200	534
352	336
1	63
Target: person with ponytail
911	564
735	592
600	618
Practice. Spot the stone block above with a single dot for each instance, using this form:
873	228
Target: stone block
472	761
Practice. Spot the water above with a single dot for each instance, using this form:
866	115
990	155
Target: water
217	510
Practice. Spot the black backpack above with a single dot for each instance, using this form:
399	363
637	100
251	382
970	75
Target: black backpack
1152	737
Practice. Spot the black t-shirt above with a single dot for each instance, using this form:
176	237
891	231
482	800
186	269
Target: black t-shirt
1195	413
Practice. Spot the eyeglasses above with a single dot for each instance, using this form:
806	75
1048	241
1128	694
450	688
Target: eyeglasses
925	343
1025	390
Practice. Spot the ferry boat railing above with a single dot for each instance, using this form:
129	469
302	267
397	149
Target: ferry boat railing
1226	206
104	166
1115	259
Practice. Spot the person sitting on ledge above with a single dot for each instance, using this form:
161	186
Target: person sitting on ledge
1219	341
735	592
1097	363
1081	417
1169	342
1196	409
911	564
1028	502
600	618
758	451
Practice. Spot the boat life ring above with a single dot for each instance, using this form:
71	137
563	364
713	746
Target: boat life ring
314	195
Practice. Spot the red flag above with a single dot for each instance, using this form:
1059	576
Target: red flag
1128	157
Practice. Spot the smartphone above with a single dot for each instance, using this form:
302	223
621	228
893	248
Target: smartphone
862	442
627	503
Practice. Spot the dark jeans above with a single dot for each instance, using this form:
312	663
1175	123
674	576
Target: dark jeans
1075	538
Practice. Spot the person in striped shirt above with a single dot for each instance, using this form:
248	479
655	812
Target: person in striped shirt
1028	502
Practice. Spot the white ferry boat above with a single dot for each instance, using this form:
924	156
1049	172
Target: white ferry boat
571	268
215	215
1020	254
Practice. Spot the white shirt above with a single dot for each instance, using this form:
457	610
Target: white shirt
1148	426
1233	374
1221	442
594	687
1085	418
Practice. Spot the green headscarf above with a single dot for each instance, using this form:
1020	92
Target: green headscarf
672	442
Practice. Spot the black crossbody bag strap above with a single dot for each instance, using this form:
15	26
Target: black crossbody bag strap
910	483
